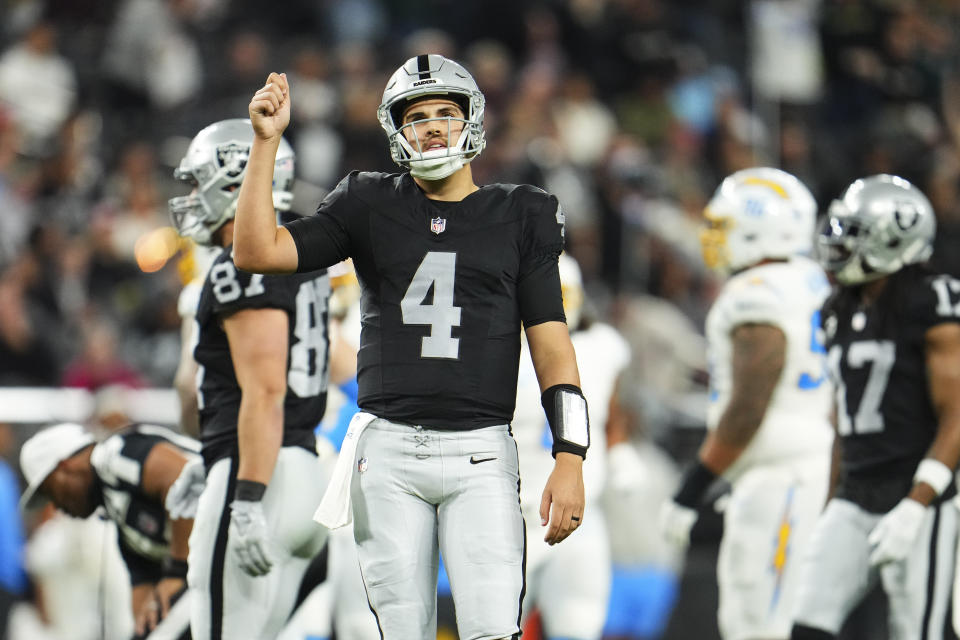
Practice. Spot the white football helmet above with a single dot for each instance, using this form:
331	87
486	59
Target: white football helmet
571	285
879	225
433	75
214	165
755	214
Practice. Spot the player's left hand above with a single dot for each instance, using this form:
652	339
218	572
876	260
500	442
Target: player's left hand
168	591
561	507
147	617
894	536
249	534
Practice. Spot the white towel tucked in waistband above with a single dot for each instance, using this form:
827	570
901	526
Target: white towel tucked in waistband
334	510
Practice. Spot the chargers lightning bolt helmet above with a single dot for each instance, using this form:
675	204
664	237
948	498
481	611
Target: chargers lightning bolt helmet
878	226
755	214
428	76
214	165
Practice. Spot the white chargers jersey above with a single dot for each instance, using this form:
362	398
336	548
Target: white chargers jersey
787	295
602	354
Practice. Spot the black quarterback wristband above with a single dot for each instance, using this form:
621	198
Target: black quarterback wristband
173	568
694	486
249	490
566	410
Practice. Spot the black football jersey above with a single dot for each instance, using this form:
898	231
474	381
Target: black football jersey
877	359
142	524
304	297
445	287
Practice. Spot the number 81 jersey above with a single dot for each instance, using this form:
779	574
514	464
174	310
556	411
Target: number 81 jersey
877	357
788	296
304	297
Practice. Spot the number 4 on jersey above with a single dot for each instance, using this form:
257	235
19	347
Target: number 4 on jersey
437	272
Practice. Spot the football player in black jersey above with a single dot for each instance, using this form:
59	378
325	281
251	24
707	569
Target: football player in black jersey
261	351
892	334
449	270
135	476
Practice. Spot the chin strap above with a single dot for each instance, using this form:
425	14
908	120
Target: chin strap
436	168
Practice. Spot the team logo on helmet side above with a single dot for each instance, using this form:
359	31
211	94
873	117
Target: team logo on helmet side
906	214
233	158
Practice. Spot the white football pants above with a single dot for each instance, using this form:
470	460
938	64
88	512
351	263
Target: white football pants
227	603
416	491
837	572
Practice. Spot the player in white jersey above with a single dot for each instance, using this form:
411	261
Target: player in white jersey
569	584
768	424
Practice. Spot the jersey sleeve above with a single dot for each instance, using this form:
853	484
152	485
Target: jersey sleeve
753	301
539	280
120	458
324	239
930	303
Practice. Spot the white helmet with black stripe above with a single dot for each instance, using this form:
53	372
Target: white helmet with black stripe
426	76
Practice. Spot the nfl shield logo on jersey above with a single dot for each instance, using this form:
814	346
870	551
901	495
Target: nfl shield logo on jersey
437	225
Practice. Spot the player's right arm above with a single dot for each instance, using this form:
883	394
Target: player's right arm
759	355
259	245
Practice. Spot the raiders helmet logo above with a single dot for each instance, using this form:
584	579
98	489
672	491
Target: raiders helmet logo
906	215
233	157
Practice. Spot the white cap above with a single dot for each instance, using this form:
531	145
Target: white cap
43	451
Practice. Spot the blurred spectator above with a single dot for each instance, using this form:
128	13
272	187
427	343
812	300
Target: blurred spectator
244	59
585	125
99	362
38	87
317	103
15	221
150	63
26	358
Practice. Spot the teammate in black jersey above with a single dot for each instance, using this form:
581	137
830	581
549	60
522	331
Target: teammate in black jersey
449	270
892	331
132	475
262	354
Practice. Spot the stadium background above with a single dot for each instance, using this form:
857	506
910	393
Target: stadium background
631	111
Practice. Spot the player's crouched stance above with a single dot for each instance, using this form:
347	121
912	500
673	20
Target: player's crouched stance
893	347
449	270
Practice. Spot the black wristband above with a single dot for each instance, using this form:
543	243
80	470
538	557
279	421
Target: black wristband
695	483
249	490
173	568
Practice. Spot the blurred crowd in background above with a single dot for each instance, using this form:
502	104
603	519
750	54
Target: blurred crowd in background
630	111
